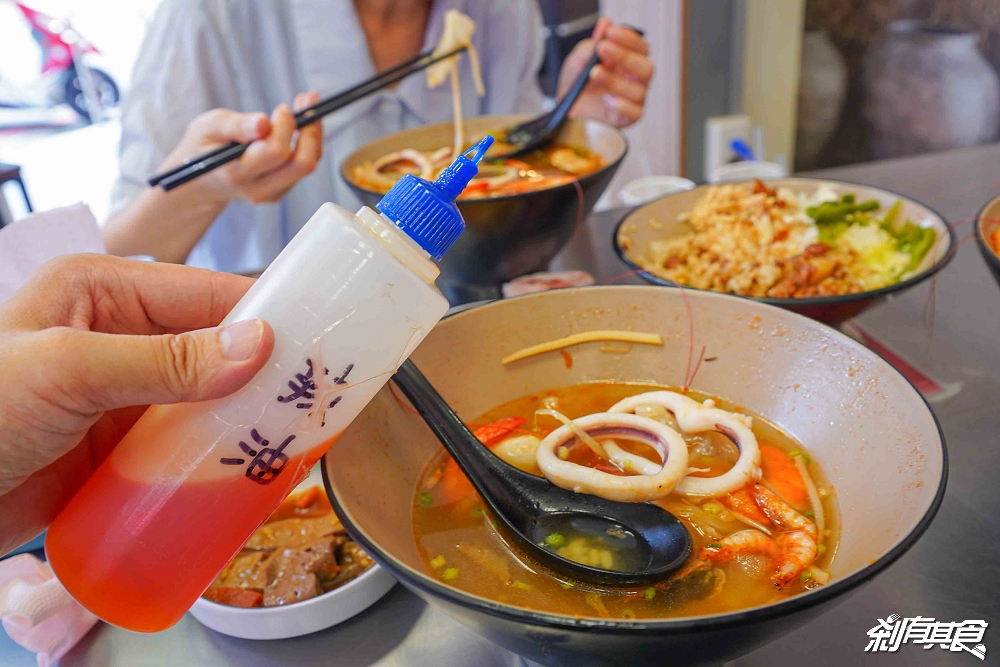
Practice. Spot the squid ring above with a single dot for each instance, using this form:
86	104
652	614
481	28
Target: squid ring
695	417
421	161
635	488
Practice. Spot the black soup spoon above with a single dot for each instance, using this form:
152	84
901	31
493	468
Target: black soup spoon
648	543
535	133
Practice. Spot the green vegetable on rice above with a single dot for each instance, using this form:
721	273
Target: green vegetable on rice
837	211
891	246
916	242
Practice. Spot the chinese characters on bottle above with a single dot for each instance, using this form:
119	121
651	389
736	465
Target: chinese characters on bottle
306	392
267	462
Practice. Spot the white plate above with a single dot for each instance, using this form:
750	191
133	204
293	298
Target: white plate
318	613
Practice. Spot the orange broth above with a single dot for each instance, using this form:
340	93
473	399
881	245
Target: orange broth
460	545
547	167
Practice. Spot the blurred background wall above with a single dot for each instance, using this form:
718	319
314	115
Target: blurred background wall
656	143
771	48
713	65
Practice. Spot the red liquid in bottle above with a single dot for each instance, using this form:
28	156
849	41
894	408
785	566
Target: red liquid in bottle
165	543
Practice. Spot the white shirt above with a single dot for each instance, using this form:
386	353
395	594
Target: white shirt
251	55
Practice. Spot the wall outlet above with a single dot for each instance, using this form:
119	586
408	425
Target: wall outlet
719	131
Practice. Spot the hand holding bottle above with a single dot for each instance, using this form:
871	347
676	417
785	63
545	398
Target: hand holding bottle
85	346
349	298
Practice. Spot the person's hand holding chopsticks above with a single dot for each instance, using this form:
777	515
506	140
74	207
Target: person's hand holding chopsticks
168	225
279	157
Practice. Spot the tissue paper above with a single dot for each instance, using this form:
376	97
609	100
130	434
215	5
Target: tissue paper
29	243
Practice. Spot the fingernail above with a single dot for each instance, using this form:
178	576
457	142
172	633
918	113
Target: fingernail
240	340
250	126
611	105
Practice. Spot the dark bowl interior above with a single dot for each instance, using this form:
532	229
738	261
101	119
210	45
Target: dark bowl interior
872	432
658	220
510	236
986	223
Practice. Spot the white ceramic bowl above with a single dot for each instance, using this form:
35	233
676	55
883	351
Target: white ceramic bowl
321	612
873	433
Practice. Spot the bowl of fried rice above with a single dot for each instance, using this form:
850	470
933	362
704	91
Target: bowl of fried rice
826	249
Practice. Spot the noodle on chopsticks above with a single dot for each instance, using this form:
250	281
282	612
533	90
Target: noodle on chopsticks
458	30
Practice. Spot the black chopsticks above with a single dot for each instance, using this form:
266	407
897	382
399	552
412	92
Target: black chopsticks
195	167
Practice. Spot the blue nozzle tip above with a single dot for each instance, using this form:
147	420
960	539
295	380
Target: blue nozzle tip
465	167
479	150
427	211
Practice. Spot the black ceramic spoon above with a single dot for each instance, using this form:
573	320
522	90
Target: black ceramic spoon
648	542
535	133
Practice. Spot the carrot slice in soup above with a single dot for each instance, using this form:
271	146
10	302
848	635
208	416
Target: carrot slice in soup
781	474
234	597
454	484
490	434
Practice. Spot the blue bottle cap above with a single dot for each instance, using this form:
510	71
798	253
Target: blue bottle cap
426	211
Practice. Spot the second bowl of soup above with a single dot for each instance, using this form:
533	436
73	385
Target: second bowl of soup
519	216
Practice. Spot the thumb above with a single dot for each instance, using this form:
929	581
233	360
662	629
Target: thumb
120	371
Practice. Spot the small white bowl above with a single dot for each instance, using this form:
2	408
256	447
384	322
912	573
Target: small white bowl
301	618
745	171
321	612
643	190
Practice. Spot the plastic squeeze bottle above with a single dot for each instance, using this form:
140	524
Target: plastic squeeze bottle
349	299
